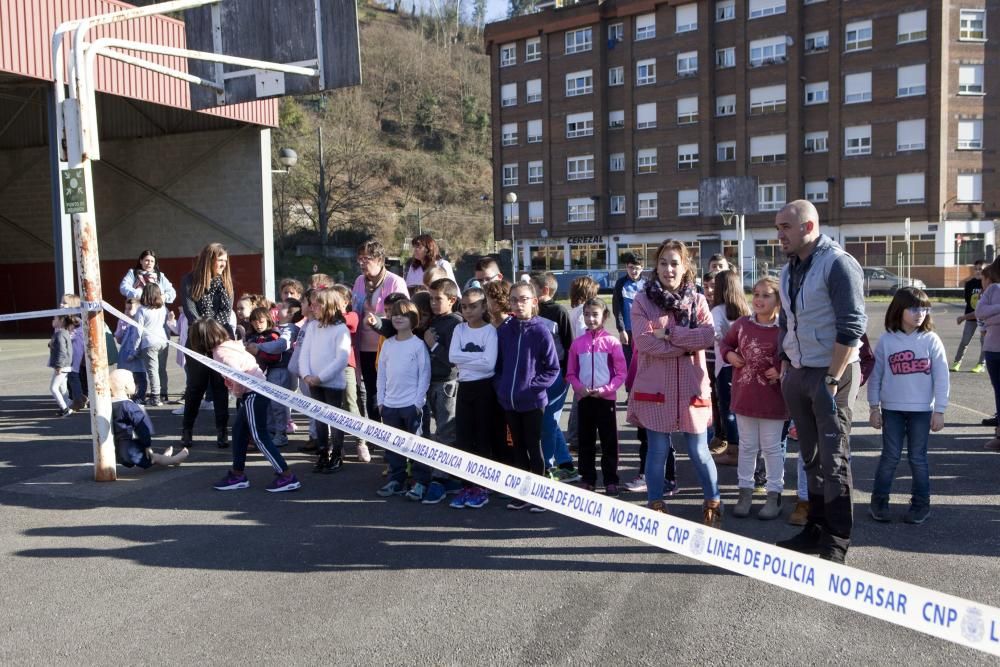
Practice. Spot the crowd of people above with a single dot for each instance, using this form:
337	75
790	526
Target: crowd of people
487	369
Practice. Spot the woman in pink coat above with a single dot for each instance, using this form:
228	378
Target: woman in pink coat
671	399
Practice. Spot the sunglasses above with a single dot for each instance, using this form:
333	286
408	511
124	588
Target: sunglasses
919	311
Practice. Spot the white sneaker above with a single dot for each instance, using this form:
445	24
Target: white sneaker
637	485
363	454
177	411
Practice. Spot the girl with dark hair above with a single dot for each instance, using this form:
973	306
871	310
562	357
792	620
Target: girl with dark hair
426	255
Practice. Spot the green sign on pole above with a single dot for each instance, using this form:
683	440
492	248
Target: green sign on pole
74	191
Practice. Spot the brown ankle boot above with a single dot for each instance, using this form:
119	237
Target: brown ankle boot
717	446
994	444
712	514
730	457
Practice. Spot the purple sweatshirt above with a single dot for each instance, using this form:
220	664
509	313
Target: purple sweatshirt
527	364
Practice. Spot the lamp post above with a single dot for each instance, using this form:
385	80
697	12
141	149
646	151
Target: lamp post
288	159
511	200
728	216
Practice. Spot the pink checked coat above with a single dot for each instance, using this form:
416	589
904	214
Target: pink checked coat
671	389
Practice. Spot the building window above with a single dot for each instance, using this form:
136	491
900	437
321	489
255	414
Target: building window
766	100
687	110
968	248
617	205
509	134
535	131
770	197
616	119
911	135
970	80
910	189
533	91
857	192
817	93
817	142
767	149
725	10
645	72
725	58
616	162
532	49
817	191
687	63
580	40
579	83
767	51
645	27
616	33
511	214
972	25
647	205
508	55
725	105
858	36
911	27
536	213
687	157
911	81
858	88
816	42
858	140
580	209
509	174
970	135
761	8
616	76
508	95
579	168
645	161
970	189
645	116
725	151
686	17
587	256
535	172
580	125
687	202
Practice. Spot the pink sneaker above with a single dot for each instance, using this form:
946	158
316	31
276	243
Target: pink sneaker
290	427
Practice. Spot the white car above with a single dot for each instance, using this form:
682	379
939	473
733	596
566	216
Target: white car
880	281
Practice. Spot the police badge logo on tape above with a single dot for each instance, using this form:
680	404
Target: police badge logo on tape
698	542
973	625
405	447
525	487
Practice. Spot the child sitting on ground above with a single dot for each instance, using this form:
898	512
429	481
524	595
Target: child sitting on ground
132	429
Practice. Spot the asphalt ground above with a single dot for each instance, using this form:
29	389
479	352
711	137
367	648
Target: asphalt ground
158	568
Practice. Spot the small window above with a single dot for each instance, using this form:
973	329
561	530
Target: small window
970	80
687	202
535	172
687	156
817	142
616	33
686	17
532	49
909	188
857	192
970	189
647	205
970	135
645	116
645	161
580	209
817	93
725	58
817	191
911	81
617	205
767	51
580	40
687	63
508	95
725	105
767	149
579	168
616	119
911	135
645	27
768	99
858	36
579	83
761	8
580	125
725	10
511	214
508	55
509	134
645	72
816	42
535	131
616	162
533	91
616	76
687	110
509	174
858	88
911	27
858	140
972	25
770	196
725	151
536	213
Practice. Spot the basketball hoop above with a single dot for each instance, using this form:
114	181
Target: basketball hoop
727	216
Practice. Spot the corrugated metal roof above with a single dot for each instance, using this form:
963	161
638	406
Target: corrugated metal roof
26	28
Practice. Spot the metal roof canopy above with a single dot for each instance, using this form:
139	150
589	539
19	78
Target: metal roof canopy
320	34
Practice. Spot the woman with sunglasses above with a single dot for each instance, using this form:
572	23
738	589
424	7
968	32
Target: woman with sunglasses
908	394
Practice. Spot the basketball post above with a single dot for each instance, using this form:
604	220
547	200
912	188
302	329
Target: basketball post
728	217
78	138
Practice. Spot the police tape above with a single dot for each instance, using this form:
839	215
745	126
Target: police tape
938	614
11	317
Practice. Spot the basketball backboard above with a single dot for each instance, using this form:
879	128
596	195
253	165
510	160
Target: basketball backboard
311	33
737	194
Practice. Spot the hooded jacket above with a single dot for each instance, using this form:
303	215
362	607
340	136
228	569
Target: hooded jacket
233	354
596	361
527	364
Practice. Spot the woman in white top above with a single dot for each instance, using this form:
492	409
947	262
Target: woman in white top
426	254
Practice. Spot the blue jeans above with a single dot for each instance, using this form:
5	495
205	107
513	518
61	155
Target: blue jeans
914	428
724	388
405	419
554	448
656	460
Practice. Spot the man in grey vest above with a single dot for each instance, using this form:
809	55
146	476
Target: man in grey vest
822	321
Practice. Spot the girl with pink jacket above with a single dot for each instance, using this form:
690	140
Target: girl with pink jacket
671	397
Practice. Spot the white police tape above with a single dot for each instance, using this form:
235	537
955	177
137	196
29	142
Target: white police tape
11	317
938	614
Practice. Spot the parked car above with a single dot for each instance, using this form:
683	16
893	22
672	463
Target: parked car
880	281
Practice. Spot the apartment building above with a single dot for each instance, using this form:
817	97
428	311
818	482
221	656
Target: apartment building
607	116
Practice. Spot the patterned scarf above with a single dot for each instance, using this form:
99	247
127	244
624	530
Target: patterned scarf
373	284
216	302
681	302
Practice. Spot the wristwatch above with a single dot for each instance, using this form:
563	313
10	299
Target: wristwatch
831	381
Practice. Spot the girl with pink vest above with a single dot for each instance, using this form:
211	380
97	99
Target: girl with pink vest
671	397
596	370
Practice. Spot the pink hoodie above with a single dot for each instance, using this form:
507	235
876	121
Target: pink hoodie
596	361
232	354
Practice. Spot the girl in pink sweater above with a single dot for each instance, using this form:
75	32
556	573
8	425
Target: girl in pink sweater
206	336
596	370
751	346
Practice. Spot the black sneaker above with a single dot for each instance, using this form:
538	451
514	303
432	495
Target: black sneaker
806	542
333	464
833	555
879	509
917	514
990	421
516	504
322	461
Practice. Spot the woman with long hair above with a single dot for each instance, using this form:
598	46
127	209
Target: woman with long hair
671	329
147	271
207	292
728	305
426	255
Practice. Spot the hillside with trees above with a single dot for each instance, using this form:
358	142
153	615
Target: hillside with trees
407	151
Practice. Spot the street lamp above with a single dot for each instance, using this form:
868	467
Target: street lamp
511	200
288	159
728	216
